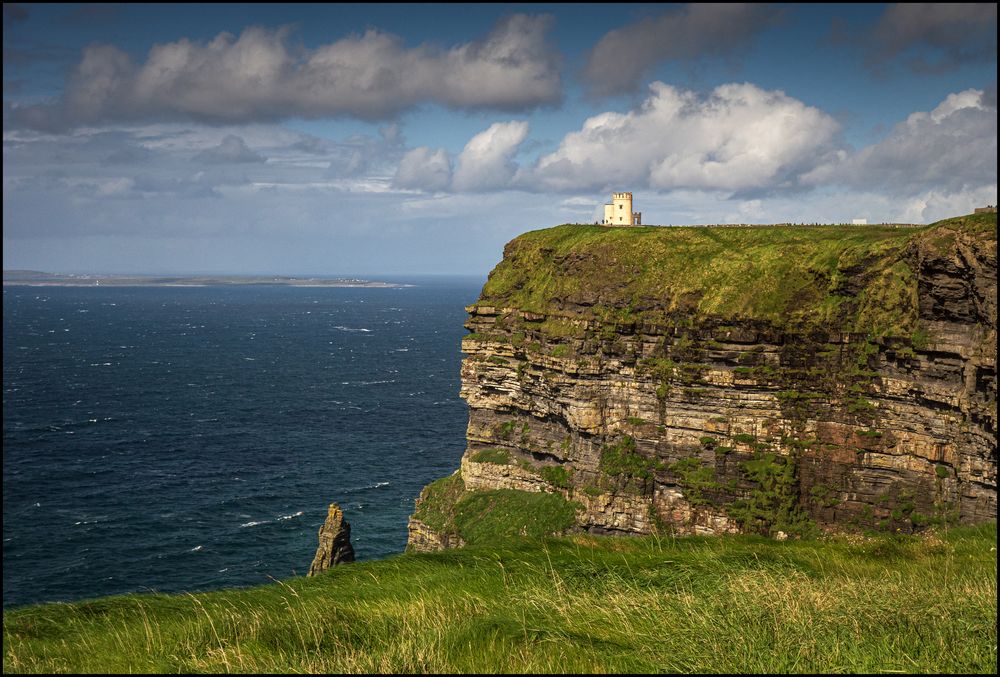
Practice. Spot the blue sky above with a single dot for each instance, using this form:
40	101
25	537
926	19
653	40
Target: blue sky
400	139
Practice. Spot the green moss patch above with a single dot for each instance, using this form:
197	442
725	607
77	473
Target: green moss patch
492	455
436	506
488	516
622	460
557	475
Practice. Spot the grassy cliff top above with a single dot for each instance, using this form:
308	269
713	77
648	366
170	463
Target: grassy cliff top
851	278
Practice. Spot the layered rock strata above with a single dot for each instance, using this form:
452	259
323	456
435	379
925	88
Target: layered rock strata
334	542
653	414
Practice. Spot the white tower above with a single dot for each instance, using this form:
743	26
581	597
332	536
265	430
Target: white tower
619	211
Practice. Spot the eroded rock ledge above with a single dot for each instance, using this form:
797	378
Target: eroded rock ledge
864	397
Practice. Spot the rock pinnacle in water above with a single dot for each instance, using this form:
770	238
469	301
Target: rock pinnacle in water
334	542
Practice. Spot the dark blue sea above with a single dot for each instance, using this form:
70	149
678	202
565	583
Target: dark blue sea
190	438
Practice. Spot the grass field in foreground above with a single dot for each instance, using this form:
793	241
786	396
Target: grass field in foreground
573	604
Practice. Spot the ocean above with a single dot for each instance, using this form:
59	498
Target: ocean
190	438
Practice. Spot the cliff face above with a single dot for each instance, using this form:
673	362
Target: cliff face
771	380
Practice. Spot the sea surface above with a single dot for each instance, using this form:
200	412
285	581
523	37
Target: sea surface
180	439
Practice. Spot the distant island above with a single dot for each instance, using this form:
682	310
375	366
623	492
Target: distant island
36	278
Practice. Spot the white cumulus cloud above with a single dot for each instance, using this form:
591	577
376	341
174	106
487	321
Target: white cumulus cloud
424	168
952	148
739	137
487	162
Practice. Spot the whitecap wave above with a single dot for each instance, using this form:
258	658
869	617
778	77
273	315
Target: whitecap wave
377	485
343	328
288	517
254	524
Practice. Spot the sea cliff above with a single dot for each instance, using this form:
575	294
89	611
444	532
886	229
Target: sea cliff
776	380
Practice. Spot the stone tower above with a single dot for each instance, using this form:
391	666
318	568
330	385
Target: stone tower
619	211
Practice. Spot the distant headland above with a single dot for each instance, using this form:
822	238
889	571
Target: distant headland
36	278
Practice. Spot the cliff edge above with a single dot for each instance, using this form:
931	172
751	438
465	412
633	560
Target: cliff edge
777	380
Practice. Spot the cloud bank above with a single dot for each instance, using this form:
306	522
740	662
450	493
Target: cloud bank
260	77
738	141
951	148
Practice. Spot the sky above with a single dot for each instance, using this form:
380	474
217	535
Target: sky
394	140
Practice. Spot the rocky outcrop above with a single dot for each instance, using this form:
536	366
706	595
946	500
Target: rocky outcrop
424	538
657	414
334	542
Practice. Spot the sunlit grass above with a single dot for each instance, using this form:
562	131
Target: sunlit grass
574	604
856	278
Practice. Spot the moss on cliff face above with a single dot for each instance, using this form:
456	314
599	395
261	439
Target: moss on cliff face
487	516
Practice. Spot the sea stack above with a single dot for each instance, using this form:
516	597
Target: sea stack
334	542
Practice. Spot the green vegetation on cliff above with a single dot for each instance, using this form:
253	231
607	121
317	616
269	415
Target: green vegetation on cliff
491	516
984	225
852	278
579	604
